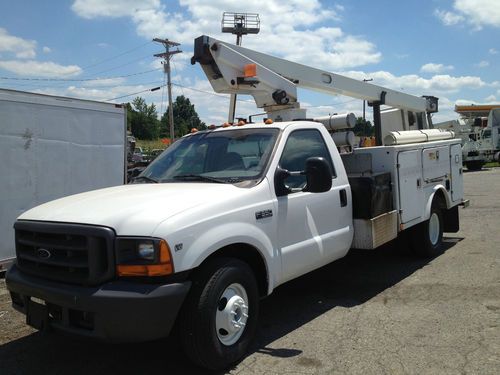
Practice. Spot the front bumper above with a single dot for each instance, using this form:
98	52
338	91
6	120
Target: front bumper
118	311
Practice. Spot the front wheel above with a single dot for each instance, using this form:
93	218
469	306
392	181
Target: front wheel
427	237
219	317
475	165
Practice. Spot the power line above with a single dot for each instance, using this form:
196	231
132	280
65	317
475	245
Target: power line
210	93
116	56
121	66
135	93
78	79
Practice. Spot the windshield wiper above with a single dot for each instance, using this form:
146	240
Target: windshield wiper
198	177
145	178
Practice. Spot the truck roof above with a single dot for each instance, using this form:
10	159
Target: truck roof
261	125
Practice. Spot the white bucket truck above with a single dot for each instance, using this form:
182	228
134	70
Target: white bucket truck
224	216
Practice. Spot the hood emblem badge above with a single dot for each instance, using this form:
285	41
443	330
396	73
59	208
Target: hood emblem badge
43	253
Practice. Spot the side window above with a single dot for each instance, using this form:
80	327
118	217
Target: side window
301	145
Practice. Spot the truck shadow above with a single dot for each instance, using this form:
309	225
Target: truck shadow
348	282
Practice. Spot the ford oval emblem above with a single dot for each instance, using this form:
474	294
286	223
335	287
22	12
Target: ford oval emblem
43	253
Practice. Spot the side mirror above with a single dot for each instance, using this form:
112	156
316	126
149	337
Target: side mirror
318	174
279	182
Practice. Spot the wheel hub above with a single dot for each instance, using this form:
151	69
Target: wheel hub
434	229
232	314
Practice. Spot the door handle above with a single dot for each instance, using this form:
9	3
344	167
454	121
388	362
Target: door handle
343	198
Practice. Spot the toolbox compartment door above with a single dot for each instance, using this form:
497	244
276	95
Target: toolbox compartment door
410	185
435	163
457	182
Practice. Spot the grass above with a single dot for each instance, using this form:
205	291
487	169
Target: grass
492	164
147	146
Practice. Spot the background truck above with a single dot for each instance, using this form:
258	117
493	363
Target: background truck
479	129
53	147
224	216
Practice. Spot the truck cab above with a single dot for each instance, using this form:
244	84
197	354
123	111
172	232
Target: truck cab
118	263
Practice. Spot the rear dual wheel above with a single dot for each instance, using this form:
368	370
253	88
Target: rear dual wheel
427	237
219	317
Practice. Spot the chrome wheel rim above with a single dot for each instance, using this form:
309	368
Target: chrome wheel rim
232	314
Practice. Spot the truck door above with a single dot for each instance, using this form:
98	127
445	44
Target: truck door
309	224
410	185
457	183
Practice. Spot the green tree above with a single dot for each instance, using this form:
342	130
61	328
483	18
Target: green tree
185	118
131	113
363	128
143	119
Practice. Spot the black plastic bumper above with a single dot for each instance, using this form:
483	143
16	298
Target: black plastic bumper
119	311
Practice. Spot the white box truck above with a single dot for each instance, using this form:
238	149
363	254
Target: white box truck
52	147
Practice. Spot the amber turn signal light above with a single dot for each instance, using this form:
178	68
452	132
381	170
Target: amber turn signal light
163	268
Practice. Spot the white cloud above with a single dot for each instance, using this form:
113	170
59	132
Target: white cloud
477	13
446	110
110	82
40	69
491	99
417	85
401	56
22	48
482	64
46	49
99	93
492	51
114	9
435	68
448	18
294	36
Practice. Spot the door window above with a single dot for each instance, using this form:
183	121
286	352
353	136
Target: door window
301	145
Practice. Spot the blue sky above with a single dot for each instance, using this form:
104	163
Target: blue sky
445	48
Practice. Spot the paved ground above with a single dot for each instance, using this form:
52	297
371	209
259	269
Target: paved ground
371	312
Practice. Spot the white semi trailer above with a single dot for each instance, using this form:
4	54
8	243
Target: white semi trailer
52	147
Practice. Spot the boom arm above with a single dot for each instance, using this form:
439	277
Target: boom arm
274	85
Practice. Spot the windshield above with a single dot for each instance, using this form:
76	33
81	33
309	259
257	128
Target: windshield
221	156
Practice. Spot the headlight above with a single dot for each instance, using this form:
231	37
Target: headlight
136	256
146	250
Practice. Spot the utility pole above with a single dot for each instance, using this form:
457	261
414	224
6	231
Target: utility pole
167	55
364	101
238	24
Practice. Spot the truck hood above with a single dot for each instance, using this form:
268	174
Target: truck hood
134	210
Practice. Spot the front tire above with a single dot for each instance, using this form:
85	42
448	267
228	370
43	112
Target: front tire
219	317
427	237
475	165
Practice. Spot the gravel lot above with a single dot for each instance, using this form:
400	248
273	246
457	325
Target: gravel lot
371	312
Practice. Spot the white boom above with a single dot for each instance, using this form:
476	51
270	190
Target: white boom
274	85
